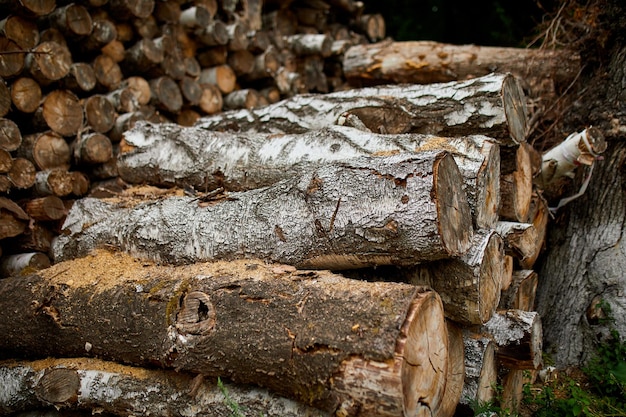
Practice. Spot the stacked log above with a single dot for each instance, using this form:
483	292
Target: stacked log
221	264
75	76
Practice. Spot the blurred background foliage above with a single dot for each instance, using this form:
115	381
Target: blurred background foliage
481	22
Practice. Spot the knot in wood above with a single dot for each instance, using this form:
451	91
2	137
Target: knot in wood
196	315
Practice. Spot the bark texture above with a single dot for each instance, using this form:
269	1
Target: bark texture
431	62
249	321
91	384
401	210
492	105
167	154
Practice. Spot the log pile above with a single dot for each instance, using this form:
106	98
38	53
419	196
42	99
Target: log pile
193	192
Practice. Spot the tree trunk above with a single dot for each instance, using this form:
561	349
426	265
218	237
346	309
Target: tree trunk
207	160
399	210
493	105
427	62
91	384
250	321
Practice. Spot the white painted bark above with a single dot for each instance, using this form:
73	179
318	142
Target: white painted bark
91	384
492	105
168	154
401	209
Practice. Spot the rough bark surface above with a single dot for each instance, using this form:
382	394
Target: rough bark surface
578	267
401	210
431	62
91	384
291	331
168	154
492	105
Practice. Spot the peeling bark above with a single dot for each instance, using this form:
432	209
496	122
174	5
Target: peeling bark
168	154
363	349
401	209
492	105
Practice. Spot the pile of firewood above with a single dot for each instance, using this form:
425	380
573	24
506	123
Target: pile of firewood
368	251
74	77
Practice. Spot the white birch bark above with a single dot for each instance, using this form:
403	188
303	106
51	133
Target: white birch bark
168	154
91	384
492	105
401	209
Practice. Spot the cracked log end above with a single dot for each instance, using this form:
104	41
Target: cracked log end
455	217
413	382
515	109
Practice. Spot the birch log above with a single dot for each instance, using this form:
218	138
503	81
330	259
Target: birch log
168	154
355	348
519	338
91	384
493	105
400	210
426	62
481	371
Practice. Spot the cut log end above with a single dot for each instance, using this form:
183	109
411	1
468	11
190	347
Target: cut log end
455	218
491	272
515	109
425	357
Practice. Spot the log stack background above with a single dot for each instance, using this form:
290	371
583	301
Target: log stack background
77	78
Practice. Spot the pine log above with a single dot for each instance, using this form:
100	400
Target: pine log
31	8
23	264
108	72
5	98
81	78
25	94
518	336
46	150
425	62
99	113
22	173
20	30
12	218
92	148
399	210
12	58
55	181
195	16
10	135
492	105
6	161
481	371
90	384
521	294
63	112
45	208
539	215
166	94
516	185
246	161
222	76
49	61
470	286
386	357
73	20
520	239
212	100
124	9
